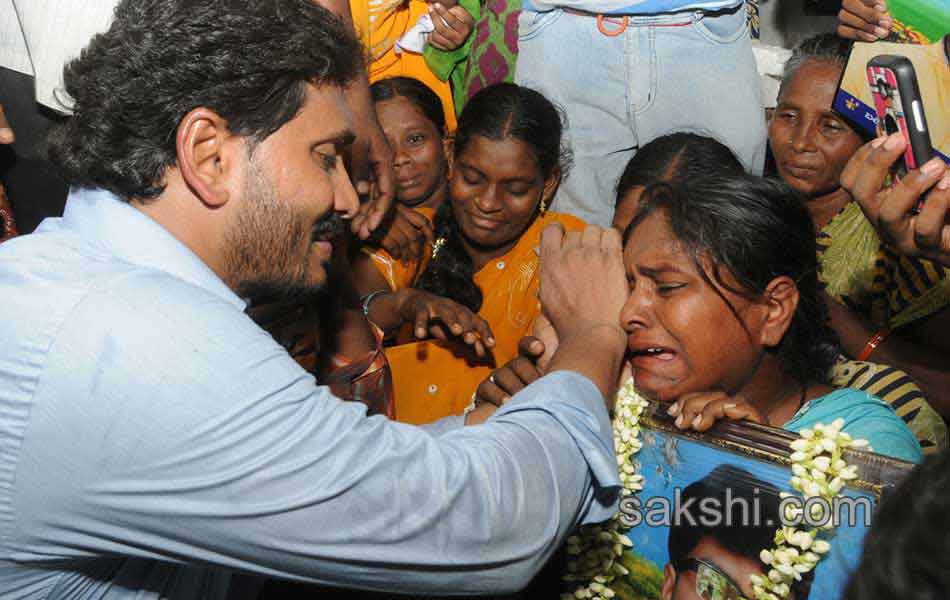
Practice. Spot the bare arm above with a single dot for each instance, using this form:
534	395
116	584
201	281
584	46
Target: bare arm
921	349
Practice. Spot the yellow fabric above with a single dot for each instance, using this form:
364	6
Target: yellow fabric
398	274
862	273
433	380
897	389
380	24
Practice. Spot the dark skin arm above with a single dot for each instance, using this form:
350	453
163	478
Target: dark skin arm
431	316
921	349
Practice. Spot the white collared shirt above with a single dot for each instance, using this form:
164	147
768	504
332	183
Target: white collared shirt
156	443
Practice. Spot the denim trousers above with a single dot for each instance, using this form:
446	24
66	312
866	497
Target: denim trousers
659	74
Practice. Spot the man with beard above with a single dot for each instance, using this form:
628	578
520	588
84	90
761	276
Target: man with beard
154	442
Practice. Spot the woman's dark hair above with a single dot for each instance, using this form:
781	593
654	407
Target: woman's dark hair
247	61
824	47
497	112
416	92
677	157
755	230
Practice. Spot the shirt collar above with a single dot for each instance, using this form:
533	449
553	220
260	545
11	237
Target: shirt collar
101	218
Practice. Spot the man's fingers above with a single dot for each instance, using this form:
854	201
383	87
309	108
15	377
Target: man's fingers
552	238
6	132
611	241
591	237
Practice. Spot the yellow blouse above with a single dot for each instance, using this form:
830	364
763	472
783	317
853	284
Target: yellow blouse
431	379
380	24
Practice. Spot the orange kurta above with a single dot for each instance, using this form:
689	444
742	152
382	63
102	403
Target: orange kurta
431	379
380	24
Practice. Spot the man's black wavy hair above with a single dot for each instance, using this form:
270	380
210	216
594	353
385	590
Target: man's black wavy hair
248	61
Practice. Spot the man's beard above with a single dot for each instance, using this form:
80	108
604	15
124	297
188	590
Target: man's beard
268	248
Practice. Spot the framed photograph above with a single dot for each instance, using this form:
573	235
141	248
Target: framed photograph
710	504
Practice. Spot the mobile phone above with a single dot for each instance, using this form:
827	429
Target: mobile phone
899	107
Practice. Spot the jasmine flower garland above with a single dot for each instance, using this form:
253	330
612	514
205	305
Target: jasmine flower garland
595	551
818	471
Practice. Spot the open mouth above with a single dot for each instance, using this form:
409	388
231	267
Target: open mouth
409	182
651	353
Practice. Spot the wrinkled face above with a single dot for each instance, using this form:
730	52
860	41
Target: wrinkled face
811	144
296	195
418	150
682	336
496	187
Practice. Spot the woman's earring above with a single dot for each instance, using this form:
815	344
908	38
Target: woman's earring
543	206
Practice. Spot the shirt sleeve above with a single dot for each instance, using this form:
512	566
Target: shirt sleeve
176	429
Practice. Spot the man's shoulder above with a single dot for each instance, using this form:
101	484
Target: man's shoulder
55	282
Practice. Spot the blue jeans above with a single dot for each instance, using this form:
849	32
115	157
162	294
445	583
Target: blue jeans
676	72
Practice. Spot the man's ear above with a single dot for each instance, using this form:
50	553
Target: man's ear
780	302
203	155
669	581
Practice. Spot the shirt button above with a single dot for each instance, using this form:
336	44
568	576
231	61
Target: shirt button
433	388
500	264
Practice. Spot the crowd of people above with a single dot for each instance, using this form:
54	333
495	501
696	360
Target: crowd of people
340	293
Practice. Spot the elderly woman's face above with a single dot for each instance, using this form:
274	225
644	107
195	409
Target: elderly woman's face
810	143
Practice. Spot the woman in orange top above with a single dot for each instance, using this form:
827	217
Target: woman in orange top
508	160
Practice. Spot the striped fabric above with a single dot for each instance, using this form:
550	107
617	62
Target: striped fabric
896	388
861	272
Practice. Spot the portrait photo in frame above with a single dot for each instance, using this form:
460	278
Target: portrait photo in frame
712	500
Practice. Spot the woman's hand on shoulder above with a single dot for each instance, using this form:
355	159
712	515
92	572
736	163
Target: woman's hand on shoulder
444	319
698	411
